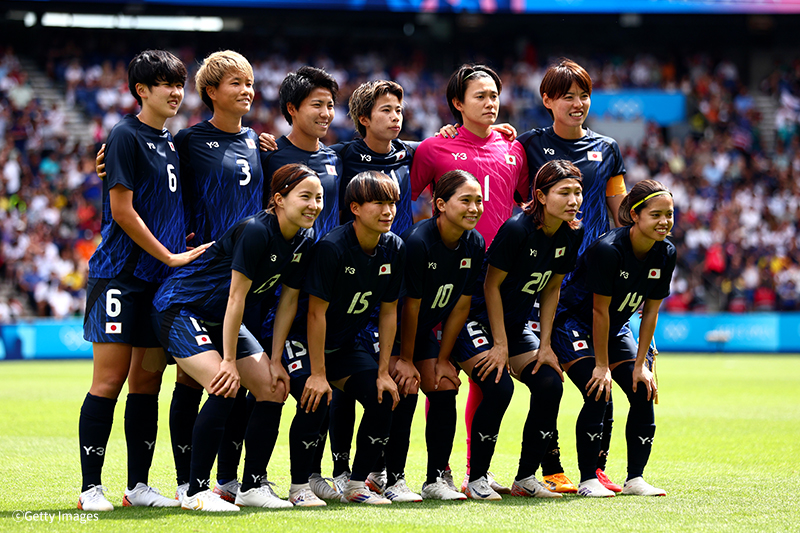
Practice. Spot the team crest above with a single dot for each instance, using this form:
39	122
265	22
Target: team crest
114	327
202	339
594	156
580	345
385	269
171	146
466	262
655	273
560	251
295	365
511	159
331	169
250	143
296	257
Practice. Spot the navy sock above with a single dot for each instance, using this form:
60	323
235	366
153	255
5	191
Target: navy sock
316	462
641	426
141	430
373	432
230	449
342	424
305	437
396	451
551	461
605	445
546	389
208	431
262	433
182	415
94	428
440	430
487	419
589	427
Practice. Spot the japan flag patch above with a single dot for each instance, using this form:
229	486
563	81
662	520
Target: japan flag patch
385	269
400	155
296	257
560	251
480	341
580	345
295	365
114	327
594	156
466	263
655	273
250	143
331	169
511	159
202	339
534	325
171	146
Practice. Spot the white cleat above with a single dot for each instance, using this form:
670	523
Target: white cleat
441	490
532	488
303	496
180	492
228	491
146	496
207	501
94	499
400	493
357	492
340	482
321	487
376	481
594	489
639	487
480	489
262	496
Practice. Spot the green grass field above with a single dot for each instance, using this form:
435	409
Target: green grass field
727	451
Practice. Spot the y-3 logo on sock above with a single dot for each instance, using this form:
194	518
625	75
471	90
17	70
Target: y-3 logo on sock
345	456
312	444
378	440
150	444
593	436
204	483
256	478
546	434
646	440
97	450
237	445
492	438
184	449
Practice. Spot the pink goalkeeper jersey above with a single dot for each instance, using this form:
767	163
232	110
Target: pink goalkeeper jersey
499	165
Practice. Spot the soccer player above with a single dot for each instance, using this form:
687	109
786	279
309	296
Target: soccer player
142	225
223	181
566	91
626	267
500	165
354	268
307	98
199	311
530	255
445	254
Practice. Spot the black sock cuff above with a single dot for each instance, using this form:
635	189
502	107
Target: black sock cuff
187	391
98	408
144	400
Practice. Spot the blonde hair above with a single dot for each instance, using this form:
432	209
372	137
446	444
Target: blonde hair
215	67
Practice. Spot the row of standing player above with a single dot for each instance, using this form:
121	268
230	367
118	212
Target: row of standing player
318	106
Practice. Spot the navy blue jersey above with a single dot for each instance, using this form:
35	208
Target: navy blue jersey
438	275
599	159
222	179
357	157
609	268
256	248
143	160
530	258
352	282
324	162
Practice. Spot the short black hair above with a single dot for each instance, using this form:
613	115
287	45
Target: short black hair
457	85
296	87
152	67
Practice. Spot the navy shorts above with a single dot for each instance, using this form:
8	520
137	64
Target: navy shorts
475	339
426	345
570	341
184	333
118	310
339	363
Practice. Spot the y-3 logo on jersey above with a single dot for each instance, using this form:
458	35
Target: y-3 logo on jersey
459	157
213	144
623	274
349	270
366	157
151	146
549	151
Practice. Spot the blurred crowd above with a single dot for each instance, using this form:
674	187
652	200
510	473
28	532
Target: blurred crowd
736	202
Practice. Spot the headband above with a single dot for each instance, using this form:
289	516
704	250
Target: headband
292	182
643	200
